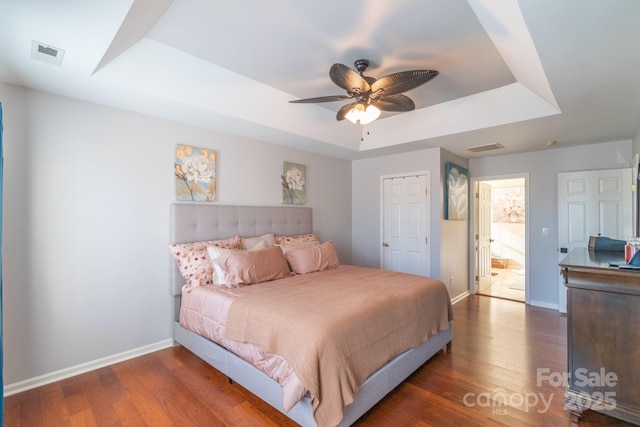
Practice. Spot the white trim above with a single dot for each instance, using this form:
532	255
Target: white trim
460	297
62	374
527	237
543	304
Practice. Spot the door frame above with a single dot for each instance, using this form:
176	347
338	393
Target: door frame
481	240
428	207
473	227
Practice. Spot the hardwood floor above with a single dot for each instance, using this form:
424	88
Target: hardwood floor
488	377
508	283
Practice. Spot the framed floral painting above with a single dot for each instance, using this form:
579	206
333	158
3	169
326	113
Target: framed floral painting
456	203
508	204
195	171
294	183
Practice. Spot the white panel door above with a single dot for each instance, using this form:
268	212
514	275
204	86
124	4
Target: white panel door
405	225
592	203
483	238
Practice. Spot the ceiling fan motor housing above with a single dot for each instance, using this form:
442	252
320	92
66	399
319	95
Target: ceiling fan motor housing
361	65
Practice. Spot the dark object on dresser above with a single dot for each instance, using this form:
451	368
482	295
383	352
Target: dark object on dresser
600	243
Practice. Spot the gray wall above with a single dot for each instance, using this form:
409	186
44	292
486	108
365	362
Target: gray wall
449	239
85	221
543	168
454	241
85	224
366	202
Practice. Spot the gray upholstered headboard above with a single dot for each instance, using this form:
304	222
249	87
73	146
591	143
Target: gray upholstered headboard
195	222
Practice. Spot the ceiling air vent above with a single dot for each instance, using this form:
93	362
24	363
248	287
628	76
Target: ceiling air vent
479	148
45	53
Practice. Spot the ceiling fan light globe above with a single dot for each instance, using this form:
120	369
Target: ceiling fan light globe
371	113
363	114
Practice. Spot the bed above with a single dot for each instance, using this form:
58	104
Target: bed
200	222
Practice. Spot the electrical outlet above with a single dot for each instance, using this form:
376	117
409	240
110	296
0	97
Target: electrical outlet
451	281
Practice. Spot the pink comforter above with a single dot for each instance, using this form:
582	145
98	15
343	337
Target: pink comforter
337	327
418	303
204	311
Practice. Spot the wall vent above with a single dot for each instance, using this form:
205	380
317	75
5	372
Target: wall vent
46	53
479	148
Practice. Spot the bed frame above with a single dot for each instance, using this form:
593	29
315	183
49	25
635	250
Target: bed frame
198	222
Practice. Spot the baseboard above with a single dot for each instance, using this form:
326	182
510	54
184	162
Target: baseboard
460	297
62	374
543	304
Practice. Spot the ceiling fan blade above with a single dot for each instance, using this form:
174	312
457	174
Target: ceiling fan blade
401	82
394	103
342	112
321	99
348	79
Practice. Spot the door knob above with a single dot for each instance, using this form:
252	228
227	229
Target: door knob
385	244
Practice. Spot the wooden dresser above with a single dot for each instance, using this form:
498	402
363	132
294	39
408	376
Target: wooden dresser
603	335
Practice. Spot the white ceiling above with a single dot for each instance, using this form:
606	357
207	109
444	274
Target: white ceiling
517	73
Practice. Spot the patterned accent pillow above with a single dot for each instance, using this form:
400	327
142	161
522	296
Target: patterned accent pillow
193	259
298	238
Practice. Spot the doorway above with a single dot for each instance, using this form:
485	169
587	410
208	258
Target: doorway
500	237
592	203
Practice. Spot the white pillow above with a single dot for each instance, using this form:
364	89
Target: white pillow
219	278
250	242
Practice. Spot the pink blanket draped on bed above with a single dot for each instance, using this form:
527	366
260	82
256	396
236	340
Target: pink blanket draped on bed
337	332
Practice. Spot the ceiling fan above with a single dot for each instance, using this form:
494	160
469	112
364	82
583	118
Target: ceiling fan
371	96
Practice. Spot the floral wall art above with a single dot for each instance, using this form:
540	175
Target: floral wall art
195	170
508	204
456	192
294	184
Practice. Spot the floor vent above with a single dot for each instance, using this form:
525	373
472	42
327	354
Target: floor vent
479	148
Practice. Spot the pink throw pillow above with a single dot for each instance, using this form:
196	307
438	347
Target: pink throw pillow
249	267
314	258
